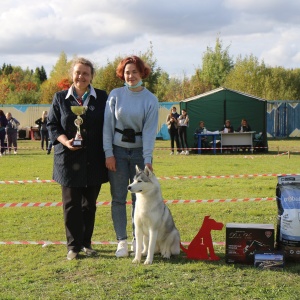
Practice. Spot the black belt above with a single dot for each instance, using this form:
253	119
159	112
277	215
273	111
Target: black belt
121	131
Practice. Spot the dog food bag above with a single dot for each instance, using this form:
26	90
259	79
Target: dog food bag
288	220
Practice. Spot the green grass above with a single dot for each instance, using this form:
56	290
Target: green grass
36	272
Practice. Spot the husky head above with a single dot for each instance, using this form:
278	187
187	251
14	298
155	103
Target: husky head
142	181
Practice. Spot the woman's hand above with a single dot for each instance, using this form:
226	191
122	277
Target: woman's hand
150	167
67	143
111	163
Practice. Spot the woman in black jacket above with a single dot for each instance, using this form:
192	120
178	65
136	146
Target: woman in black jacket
42	123
3	123
244	127
80	170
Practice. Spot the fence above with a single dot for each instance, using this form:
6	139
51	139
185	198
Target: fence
283	117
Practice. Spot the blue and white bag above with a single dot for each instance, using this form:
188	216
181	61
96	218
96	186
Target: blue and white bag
288	220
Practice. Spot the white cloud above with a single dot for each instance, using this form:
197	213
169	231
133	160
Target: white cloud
33	33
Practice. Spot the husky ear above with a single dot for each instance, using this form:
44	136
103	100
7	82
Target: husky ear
137	169
147	171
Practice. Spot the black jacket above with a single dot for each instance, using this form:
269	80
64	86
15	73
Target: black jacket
86	166
41	124
245	128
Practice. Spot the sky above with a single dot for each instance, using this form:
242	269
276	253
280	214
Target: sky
33	33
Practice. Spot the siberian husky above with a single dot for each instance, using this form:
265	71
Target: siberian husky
155	230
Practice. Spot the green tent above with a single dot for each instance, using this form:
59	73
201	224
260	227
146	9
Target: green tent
218	105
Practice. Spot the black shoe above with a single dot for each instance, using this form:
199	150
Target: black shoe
89	251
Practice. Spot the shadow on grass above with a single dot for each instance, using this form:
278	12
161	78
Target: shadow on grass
181	259
289	266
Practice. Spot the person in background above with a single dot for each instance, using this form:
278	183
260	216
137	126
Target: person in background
130	123
204	140
80	171
172	122
12	132
244	127
42	123
228	128
3	123
183	122
49	147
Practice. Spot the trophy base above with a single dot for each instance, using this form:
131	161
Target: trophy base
77	143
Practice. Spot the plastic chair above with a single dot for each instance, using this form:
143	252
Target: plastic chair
258	142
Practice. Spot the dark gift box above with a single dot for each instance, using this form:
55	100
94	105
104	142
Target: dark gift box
242	240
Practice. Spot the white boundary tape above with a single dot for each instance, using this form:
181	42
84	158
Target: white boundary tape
163	178
181	201
25	181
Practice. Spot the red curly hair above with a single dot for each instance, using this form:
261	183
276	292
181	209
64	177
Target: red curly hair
142	67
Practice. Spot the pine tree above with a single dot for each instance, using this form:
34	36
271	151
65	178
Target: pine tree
43	74
8	69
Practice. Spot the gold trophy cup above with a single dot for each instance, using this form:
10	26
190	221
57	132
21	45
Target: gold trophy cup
78	111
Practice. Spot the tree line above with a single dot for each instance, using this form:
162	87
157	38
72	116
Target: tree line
245	74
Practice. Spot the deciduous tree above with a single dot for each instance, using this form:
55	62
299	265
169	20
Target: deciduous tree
59	72
216	64
248	76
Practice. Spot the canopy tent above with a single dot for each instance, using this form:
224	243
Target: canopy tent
218	105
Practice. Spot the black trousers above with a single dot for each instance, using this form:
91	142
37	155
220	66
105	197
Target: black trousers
79	207
173	132
44	137
182	137
2	139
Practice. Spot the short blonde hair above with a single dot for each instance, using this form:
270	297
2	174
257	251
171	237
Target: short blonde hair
83	61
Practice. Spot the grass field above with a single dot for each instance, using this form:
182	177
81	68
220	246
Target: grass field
36	272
